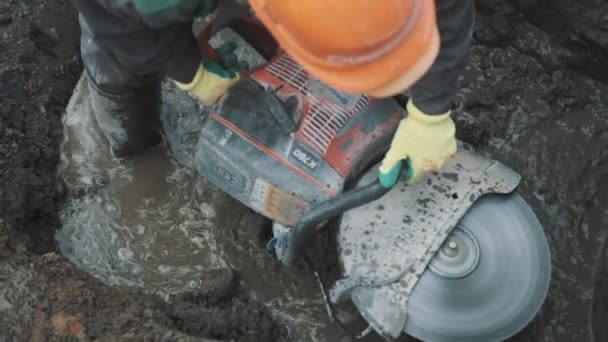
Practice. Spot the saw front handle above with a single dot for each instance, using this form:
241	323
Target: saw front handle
305	229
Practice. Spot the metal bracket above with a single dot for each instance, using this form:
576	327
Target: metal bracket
395	237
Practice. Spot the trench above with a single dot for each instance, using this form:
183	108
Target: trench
519	103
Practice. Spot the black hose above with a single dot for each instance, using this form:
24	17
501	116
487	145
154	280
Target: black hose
306	228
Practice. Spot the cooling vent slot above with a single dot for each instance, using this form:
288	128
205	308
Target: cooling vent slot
325	118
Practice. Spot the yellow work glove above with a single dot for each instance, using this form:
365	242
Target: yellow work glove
211	80
424	141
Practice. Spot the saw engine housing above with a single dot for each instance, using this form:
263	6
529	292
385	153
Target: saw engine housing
281	141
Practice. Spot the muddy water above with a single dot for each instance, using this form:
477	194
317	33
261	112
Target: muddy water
150	222
136	221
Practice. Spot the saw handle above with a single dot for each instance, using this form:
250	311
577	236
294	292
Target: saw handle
305	229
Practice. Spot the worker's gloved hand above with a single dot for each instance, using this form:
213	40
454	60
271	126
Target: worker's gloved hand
212	80
424	142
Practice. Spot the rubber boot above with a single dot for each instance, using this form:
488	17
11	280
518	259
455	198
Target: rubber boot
130	121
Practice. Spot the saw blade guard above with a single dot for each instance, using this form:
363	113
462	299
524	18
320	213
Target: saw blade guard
459	246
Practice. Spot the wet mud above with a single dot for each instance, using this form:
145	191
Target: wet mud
534	97
43	296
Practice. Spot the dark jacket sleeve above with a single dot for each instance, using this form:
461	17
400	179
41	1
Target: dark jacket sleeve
161	13
436	90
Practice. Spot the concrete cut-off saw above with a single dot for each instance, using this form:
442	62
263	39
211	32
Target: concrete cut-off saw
459	256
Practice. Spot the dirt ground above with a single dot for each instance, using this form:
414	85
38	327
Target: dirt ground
534	97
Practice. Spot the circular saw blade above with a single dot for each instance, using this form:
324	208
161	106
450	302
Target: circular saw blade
505	290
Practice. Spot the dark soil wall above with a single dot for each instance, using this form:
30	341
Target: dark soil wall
39	65
579	26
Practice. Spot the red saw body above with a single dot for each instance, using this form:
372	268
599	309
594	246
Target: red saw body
282	141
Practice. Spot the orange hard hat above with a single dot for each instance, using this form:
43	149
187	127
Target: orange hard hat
374	47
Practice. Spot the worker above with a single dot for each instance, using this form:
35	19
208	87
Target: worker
379	48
